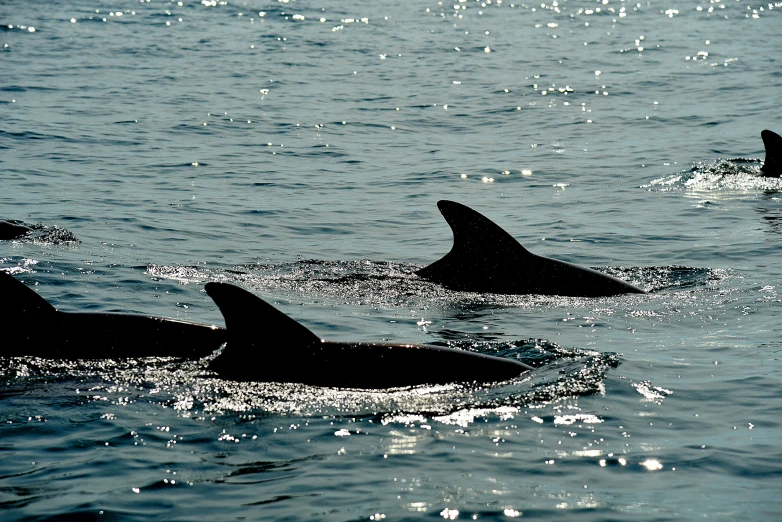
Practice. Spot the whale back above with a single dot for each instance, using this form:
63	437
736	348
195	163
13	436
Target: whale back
773	144
485	258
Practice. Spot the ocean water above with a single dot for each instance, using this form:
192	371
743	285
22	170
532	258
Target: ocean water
298	149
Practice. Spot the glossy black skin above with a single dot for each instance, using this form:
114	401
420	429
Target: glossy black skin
373	366
10	230
266	345
486	259
772	141
68	335
32	327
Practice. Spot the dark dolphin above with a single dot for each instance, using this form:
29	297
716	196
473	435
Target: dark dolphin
772	141
266	345
33	327
485	258
10	230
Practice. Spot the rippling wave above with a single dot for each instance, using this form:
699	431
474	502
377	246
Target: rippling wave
188	387
298	150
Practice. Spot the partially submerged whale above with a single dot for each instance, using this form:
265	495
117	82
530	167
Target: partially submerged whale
485	258
11	230
772	141
261	344
33	327
266	345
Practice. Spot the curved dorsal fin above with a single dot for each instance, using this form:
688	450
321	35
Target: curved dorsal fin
477	242
252	321
773	144
18	299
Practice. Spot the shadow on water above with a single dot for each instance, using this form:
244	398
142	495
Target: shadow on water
771	211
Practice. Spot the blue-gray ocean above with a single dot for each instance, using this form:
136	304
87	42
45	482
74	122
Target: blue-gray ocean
298	149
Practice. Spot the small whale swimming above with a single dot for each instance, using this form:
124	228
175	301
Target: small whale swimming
265	345
485	258
10	230
772	141
34	327
261	344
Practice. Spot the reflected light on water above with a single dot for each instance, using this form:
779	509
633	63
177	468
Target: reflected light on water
418	506
604	462
581	417
401	444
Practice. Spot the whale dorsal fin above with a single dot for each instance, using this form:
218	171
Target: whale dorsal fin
477	242
252	321
773	144
18	299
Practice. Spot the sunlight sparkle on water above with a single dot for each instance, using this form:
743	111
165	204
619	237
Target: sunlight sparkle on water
418	506
586	418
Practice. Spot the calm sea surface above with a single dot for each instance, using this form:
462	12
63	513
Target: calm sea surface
298	149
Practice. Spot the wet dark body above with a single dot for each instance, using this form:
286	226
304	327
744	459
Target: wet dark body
772	141
32	327
10	230
485	258
266	345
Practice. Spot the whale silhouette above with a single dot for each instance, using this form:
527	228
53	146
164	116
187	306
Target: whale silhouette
33	327
772	141
266	345
261	344
485	258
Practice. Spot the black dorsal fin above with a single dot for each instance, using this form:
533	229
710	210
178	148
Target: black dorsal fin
18	299
773	144
252	321
477	241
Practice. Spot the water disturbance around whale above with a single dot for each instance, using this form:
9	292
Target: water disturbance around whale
266	345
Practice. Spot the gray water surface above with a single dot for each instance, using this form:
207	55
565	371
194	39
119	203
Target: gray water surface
298	149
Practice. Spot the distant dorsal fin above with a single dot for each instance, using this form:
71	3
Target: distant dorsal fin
773	144
252	321
18	299
477	241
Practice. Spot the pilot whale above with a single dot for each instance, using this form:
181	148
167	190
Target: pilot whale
33	327
485	258
772	141
265	345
